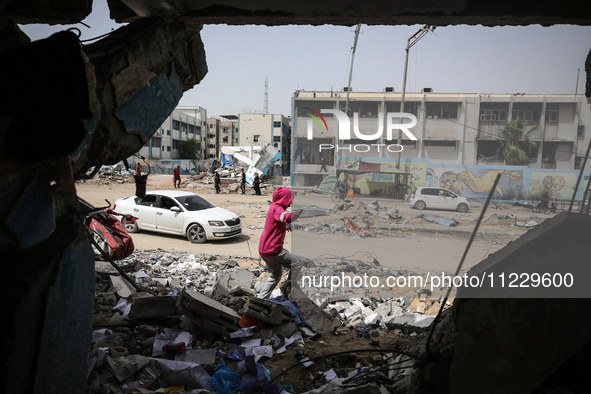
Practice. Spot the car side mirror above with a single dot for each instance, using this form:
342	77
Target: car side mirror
175	209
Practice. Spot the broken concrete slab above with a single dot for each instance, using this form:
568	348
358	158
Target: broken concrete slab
208	313
410	320
153	307
315	318
236	277
310	210
389	308
267	311
440	220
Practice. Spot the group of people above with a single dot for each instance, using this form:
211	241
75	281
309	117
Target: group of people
256	183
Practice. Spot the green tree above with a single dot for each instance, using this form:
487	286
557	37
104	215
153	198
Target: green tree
189	149
515	141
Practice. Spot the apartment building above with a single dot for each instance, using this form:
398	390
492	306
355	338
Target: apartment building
452	129
222	131
263	129
182	124
211	147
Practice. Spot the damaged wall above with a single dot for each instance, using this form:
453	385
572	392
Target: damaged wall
138	75
517	343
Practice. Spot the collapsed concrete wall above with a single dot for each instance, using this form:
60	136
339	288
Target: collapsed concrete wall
516	345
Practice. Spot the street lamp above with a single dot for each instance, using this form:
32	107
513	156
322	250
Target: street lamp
409	43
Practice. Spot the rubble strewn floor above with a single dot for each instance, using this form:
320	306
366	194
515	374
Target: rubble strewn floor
132	328
186	327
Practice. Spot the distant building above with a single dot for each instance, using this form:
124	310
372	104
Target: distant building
263	129
183	123
451	129
212	144
228	130
222	131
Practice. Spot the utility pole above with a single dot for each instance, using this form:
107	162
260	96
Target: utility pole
357	30
409	44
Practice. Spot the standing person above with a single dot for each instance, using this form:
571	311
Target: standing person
271	248
242	181
322	164
138	169
217	181
177	177
256	185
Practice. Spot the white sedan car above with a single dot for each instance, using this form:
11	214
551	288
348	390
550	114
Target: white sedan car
178	212
438	198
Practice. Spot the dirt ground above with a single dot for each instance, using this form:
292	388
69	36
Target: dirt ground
407	249
404	249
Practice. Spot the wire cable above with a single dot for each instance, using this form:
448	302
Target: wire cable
474	232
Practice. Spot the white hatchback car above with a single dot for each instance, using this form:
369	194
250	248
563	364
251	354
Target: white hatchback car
178	212
438	198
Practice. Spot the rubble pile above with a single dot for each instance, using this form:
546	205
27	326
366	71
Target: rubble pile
107	176
194	325
371	208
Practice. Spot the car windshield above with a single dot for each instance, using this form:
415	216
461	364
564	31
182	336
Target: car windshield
194	203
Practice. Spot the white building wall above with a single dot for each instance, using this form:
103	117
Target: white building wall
463	133
255	129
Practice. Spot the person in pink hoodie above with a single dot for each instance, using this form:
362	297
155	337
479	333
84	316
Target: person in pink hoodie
277	223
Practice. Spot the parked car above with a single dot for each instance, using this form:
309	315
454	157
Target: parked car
438	198
179	212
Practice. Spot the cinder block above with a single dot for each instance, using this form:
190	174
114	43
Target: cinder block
267	311
208	313
153	307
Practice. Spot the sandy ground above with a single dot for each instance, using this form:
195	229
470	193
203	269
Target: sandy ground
407	250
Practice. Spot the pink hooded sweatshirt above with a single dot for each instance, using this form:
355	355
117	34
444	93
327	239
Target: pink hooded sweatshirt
271	242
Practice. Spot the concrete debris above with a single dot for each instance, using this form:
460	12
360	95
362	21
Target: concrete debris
529	223
310	210
440	220
207	311
267	311
153	307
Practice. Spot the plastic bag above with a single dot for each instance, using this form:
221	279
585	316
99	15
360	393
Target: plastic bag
224	380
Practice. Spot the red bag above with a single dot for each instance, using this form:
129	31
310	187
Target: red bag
110	233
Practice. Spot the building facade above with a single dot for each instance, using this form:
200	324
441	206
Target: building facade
451	129
211	148
222	131
264	129
183	124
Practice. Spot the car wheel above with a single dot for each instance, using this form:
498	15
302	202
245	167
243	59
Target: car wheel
462	207
196	234
420	204
130	227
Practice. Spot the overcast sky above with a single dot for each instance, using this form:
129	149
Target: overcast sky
456	59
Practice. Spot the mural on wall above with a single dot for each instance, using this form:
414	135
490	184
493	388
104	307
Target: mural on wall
477	182
517	182
418	171
552	185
